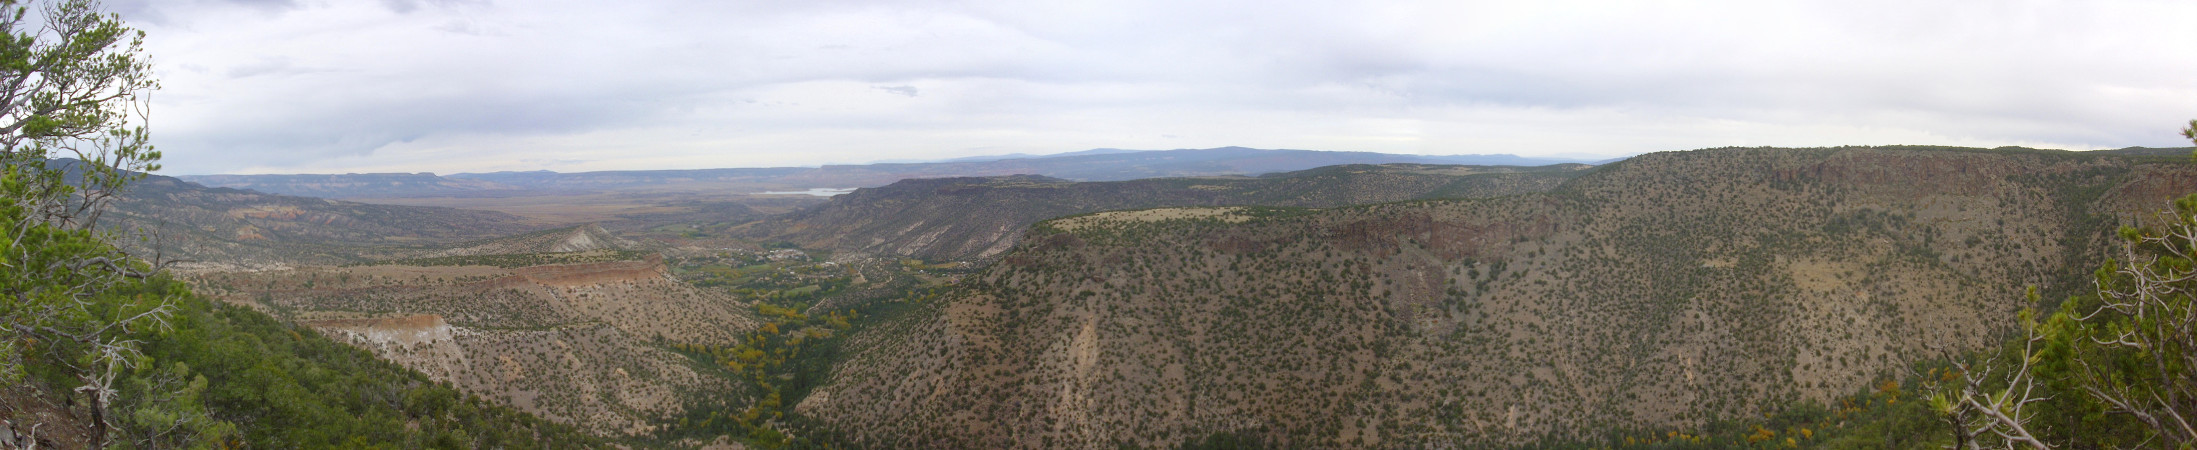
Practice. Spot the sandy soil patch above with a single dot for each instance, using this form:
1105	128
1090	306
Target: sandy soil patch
1227	214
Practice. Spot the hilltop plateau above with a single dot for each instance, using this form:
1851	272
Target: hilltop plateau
979	218
1668	291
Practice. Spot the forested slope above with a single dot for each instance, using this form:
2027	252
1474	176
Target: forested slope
224	374
1668	291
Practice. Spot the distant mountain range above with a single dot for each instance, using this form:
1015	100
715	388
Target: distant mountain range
1095	151
1088	165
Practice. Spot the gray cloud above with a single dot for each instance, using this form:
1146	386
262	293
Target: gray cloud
270	66
907	91
401	6
154	11
574	85
408	6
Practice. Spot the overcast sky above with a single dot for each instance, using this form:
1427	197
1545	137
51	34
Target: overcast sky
318	86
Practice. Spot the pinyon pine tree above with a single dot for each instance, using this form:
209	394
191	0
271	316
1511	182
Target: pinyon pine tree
73	97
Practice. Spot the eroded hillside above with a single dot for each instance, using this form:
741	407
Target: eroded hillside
979	218
576	338
1666	291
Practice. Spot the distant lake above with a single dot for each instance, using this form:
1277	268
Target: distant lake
820	192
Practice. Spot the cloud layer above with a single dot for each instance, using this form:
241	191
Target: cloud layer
481	85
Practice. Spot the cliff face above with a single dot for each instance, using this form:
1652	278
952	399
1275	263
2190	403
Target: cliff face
980	218
1668	290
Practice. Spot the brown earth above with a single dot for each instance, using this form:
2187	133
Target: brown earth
31	416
